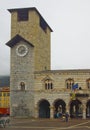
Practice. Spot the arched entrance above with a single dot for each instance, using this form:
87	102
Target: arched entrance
44	109
59	108
76	109
88	109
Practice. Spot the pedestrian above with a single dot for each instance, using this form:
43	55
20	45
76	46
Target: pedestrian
66	117
63	117
58	114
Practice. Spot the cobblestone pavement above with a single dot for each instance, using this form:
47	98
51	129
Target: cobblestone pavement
47	124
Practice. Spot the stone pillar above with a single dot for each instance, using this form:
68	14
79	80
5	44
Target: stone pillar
51	112
84	111
67	108
36	112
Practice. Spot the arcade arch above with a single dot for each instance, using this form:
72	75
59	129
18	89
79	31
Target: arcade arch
44	109
59	107
76	108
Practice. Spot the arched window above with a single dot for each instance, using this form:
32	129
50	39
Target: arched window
69	83
88	83
22	85
48	84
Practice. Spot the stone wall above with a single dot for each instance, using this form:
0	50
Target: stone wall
22	70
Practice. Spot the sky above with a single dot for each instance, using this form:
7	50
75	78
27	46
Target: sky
70	39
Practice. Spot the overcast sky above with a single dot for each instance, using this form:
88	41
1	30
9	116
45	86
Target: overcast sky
70	39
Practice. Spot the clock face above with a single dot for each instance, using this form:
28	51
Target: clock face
21	50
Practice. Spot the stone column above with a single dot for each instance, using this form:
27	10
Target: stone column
84	112
36	112
67	108
51	112
84	109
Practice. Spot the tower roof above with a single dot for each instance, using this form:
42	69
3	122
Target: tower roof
15	40
27	9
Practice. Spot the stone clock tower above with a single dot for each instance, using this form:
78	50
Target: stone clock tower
28	23
30	51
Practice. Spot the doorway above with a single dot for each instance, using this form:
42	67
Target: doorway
44	109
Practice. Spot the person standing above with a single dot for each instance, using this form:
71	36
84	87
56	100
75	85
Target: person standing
66	117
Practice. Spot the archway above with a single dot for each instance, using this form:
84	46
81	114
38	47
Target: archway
44	109
59	108
76	109
88	109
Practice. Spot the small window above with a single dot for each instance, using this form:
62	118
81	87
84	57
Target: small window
22	84
8	94
48	84
43	24
4	94
0	94
22	15
69	83
88	83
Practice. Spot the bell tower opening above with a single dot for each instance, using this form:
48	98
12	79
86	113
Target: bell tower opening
22	15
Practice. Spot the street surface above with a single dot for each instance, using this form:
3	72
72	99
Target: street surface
47	124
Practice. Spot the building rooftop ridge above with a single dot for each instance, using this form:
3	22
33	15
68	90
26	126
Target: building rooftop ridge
63	70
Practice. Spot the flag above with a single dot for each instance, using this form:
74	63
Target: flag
73	96
75	86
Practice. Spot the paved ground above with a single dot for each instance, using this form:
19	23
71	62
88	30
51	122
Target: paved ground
47	124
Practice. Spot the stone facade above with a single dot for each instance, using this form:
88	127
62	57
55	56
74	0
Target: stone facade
59	90
37	91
